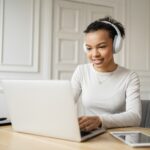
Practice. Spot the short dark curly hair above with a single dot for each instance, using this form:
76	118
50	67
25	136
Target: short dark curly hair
99	25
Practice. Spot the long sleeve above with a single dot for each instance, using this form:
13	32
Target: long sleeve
132	114
113	96
76	84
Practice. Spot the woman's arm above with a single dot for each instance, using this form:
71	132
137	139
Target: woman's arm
132	115
76	83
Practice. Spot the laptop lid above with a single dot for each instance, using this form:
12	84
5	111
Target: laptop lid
43	107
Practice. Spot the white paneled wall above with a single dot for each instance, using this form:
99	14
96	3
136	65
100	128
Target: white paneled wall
70	20
43	39
68	24
19	35
138	42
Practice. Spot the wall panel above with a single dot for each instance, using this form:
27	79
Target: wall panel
138	45
19	46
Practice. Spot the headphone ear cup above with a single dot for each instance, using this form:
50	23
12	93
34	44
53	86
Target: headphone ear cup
117	44
84	48
114	44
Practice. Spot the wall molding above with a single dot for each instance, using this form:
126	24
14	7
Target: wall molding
1	27
33	62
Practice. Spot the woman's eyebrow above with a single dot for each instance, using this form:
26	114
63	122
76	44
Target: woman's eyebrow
96	44
101	43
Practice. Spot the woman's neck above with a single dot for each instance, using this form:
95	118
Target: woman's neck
109	68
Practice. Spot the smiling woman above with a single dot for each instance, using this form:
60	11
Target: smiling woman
110	93
99	46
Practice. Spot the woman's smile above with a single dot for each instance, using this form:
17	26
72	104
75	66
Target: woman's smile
98	61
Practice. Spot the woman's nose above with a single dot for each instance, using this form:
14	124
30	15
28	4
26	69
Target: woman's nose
95	52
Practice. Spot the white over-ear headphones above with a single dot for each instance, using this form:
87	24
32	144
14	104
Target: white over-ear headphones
117	43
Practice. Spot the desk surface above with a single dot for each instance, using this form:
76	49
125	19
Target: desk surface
10	140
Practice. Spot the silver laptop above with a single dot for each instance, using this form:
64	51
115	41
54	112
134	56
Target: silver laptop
44	107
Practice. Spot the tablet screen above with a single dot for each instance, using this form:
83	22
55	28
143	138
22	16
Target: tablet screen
133	138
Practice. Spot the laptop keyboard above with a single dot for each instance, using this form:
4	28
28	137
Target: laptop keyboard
84	133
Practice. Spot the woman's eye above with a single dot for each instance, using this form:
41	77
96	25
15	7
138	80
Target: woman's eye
103	46
88	48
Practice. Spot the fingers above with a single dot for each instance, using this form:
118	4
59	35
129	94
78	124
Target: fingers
92	126
83	119
88	123
83	122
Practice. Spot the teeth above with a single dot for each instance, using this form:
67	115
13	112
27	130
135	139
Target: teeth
98	61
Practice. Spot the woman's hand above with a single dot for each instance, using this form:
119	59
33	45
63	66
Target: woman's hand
88	123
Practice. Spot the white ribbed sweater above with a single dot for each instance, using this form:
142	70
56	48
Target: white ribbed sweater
113	96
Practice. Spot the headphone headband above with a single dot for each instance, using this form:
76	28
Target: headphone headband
114	26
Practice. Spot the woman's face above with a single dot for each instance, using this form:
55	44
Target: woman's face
100	50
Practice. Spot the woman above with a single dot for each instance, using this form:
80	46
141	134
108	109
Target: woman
110	93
